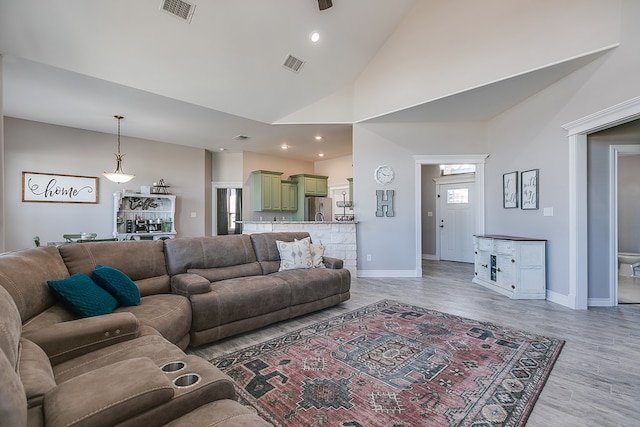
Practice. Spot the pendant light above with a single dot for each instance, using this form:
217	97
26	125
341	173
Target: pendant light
118	175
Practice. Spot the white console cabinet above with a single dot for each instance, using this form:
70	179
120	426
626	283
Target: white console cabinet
143	216
511	266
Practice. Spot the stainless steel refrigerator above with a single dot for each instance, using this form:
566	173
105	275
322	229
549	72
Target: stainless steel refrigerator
318	209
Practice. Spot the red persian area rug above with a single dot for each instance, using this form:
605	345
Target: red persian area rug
393	364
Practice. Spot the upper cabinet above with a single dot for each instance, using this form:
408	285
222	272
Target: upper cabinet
267	190
311	185
289	196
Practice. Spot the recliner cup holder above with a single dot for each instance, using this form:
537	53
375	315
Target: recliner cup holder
173	366
186	380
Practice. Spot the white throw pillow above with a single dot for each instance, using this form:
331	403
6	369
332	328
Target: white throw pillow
294	255
317	252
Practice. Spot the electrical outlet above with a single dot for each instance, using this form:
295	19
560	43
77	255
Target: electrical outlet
368	257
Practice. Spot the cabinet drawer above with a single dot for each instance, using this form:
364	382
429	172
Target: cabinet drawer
485	244
504	246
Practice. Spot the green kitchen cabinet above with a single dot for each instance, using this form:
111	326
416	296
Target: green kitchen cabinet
289	196
311	185
267	190
308	185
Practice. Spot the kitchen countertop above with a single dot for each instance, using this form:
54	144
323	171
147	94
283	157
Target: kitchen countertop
296	222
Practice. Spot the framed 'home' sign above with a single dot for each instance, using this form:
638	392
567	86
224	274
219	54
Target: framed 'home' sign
58	188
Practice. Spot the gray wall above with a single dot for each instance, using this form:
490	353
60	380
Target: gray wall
429	202
39	147
629	202
527	136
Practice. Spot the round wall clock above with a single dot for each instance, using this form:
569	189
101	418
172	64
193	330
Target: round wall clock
384	175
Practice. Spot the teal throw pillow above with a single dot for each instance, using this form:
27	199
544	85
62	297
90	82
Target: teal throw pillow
117	284
83	296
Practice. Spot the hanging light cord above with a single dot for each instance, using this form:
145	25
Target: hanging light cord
119	118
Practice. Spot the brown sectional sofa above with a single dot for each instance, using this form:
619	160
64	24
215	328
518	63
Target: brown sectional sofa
58	369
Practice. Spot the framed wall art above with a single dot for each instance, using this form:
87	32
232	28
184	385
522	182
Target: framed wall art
529	192
59	188
510	190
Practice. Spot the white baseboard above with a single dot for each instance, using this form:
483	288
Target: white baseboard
558	298
388	273
599	302
564	300
429	257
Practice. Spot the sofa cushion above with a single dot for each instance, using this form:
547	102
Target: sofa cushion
221	413
52	315
83	296
294	255
264	245
138	259
10	327
108	395
24	275
315	284
239	299
13	401
35	372
168	314
117	284
223	273
187	253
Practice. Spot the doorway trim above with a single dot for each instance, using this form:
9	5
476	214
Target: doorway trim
214	200
614	153
577	132
420	159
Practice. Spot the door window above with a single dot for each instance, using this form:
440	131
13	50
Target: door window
458	195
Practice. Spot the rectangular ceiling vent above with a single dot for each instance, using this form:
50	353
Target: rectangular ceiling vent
179	8
292	63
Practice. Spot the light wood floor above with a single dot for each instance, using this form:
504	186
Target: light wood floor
596	380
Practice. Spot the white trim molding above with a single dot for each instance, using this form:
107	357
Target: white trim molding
577	132
614	153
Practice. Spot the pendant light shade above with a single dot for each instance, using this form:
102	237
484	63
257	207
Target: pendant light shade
118	175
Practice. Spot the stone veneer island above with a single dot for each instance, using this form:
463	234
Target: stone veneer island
338	237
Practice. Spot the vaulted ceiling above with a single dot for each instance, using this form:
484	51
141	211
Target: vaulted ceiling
204	81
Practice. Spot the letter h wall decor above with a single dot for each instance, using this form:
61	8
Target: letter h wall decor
384	203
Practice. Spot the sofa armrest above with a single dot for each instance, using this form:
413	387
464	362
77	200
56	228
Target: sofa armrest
108	395
331	262
66	340
187	284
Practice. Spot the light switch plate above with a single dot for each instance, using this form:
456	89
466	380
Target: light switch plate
547	212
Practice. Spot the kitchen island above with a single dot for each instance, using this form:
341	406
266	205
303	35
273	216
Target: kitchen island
338	237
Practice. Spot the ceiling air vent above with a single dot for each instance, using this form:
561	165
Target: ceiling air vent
179	8
241	137
292	63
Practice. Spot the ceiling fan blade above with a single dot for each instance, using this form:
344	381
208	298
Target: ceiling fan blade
325	4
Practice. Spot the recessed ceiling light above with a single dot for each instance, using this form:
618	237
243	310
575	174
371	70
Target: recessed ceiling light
321	154
223	149
315	37
318	138
284	146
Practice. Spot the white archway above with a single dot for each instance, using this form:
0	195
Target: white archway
577	132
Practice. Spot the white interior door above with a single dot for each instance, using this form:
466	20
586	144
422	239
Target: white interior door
456	222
